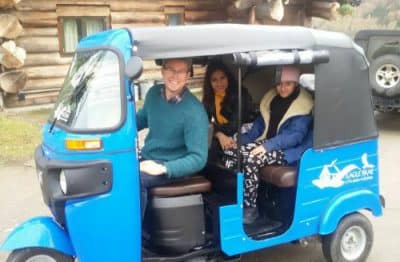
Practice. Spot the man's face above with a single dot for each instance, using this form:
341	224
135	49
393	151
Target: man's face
175	74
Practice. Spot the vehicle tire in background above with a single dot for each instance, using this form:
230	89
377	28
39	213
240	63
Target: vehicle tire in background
38	255
385	75
352	240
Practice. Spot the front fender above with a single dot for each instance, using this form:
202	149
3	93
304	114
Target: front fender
39	232
346	204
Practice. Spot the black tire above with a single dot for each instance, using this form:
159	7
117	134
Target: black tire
353	227
38	254
384	75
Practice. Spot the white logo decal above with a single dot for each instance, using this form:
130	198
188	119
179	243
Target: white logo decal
332	176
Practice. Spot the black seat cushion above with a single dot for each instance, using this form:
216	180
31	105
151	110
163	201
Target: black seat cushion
280	176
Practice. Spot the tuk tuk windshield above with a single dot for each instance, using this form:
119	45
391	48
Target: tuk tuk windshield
90	97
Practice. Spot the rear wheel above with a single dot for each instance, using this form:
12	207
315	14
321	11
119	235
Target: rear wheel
385	75
351	242
38	255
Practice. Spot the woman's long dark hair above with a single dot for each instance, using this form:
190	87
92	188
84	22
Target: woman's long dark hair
208	92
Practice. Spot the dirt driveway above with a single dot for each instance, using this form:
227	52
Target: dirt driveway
20	199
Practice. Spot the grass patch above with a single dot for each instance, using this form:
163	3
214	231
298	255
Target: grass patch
20	133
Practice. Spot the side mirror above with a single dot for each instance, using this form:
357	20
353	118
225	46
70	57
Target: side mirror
134	67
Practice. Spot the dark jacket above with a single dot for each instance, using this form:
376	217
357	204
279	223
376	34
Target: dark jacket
229	110
294	134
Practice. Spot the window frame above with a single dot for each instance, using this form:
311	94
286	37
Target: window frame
79	12
174	10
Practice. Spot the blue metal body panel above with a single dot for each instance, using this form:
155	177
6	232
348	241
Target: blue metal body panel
331	183
105	227
39	232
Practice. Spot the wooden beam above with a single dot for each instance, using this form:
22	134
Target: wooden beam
46	59
196	16
31	99
42	44
82	10
37	18
36	5
47	83
37	31
131	6
54	71
137	17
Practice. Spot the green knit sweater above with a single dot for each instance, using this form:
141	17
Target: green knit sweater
178	132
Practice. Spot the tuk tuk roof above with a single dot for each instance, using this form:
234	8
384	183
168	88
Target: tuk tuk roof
218	39
343	111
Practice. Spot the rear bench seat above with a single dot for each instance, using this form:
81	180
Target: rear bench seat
280	176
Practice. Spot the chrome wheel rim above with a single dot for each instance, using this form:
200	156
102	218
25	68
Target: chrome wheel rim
41	258
388	75
354	242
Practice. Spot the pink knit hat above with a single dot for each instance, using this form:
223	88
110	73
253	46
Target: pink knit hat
290	74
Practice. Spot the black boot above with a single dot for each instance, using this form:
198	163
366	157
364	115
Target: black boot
250	214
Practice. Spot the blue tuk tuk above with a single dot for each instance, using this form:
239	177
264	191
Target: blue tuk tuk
88	166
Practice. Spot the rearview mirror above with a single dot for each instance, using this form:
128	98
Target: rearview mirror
134	67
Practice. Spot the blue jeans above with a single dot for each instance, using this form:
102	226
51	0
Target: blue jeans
148	181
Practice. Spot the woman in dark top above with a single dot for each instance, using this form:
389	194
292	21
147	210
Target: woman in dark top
220	98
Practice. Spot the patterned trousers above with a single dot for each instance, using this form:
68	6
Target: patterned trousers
251	167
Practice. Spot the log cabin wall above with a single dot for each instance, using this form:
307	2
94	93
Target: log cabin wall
47	61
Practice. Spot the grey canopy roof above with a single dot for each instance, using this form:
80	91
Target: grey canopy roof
343	110
217	39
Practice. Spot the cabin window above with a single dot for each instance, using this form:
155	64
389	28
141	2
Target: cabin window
174	15
74	29
77	22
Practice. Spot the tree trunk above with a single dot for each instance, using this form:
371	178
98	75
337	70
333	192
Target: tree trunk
12	81
13	56
10	27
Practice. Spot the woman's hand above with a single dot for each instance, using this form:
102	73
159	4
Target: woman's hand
260	150
226	142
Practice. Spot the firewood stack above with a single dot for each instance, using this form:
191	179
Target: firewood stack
283	11
12	57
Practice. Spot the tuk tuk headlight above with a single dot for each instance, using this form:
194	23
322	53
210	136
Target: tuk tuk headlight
63	182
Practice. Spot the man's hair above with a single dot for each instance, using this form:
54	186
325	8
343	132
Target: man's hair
188	62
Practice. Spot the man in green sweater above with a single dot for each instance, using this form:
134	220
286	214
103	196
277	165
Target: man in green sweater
177	142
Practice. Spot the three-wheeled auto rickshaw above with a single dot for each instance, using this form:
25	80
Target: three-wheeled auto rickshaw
88	167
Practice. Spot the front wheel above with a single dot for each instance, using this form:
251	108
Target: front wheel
351	242
38	255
